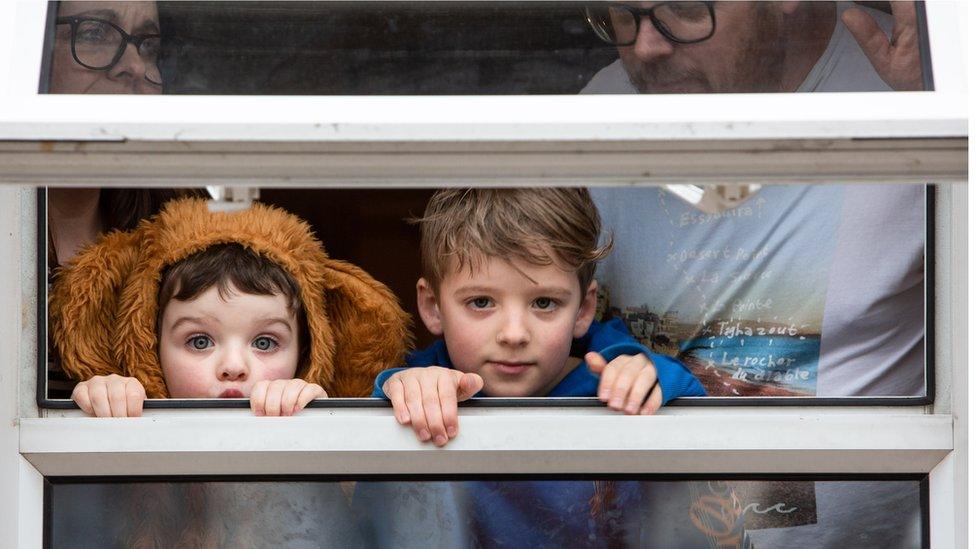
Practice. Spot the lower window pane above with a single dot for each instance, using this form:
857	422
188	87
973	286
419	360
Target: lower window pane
523	511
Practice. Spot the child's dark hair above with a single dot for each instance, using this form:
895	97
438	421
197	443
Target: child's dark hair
232	267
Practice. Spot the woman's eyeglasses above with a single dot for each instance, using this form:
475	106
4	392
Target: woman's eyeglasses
98	45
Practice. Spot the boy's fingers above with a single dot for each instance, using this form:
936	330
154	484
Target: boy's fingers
135	395
644	383
393	389
630	367
432	409
413	397
81	398
595	362
608	379
99	399
258	394
290	394
448	387
468	385
653	403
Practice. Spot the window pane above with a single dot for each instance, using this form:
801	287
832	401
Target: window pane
482	48
572	512
785	291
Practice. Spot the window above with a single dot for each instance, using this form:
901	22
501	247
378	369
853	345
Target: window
408	142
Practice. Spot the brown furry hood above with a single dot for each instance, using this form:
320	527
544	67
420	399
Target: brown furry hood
103	305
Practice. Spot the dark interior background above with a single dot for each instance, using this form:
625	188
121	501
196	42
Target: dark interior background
378	48
367	228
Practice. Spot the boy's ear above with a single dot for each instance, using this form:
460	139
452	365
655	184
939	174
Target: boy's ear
586	312
430	312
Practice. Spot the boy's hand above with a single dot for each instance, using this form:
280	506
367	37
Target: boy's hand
628	383
110	396
426	398
283	397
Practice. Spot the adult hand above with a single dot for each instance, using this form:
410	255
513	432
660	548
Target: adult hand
897	60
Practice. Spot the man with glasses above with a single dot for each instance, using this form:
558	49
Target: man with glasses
729	47
106	47
801	290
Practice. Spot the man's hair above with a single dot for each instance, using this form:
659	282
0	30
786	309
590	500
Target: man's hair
232	267
541	226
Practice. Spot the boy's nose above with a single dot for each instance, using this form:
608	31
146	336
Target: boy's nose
651	44
514	330
233	367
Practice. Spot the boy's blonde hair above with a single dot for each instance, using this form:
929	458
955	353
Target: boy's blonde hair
541	226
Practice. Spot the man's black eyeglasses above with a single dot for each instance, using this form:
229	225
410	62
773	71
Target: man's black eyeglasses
98	45
680	22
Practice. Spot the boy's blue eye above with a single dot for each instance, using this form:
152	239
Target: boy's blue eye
480	302
264	343
545	303
200	342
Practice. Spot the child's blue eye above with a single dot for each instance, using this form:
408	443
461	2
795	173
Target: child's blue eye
545	303
200	342
480	302
264	343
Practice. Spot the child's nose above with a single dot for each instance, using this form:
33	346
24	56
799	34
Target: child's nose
233	367
514	330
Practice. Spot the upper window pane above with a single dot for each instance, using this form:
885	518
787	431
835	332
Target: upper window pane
481	48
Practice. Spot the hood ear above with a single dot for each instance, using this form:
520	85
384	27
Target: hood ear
83	305
371	331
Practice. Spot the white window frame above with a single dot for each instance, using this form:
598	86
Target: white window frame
430	141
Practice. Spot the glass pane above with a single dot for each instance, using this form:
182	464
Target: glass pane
784	291
481	48
523	512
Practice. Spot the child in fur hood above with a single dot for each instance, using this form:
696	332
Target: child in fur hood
198	304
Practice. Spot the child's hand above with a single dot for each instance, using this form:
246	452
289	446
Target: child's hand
110	396
427	398
283	397
628	383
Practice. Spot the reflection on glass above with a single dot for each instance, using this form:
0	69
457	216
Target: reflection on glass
798	291
499	513
435	48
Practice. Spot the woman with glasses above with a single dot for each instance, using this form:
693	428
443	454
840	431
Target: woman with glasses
106	47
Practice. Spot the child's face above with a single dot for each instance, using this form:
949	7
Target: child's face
513	332
215	348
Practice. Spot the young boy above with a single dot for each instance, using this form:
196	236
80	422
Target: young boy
508	283
195	304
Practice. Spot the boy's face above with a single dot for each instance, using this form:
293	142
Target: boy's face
513	332
210	347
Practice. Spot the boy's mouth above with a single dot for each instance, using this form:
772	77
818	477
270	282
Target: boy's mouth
509	367
232	393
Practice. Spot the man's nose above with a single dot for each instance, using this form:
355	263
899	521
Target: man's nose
650	43
233	366
514	330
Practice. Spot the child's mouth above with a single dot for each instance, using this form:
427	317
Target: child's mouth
232	393
510	368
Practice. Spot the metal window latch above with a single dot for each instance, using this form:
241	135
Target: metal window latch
714	199
231	199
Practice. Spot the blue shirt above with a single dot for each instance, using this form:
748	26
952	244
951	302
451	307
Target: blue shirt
610	339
